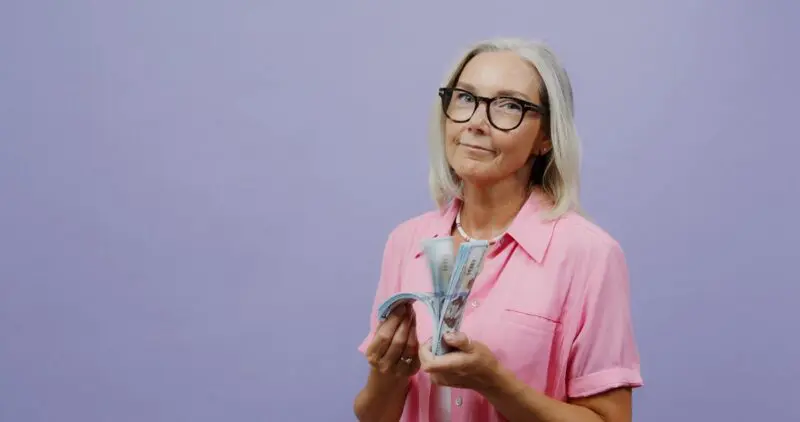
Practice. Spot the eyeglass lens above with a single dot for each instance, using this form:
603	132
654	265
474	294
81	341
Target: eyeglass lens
503	112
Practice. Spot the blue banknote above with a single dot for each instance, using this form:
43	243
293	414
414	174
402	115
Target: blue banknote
468	265
439	255
452	278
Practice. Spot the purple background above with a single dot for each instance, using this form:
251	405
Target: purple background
194	195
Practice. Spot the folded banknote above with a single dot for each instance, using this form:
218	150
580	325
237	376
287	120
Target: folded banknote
452	278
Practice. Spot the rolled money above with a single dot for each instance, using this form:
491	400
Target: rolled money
399	299
469	264
440	257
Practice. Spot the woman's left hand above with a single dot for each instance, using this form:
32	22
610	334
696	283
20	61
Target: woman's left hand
472	365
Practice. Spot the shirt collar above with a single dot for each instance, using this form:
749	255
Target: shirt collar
529	229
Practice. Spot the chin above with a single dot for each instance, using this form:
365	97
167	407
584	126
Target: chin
475	175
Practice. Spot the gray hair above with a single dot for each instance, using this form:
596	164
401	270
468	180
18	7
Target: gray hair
561	178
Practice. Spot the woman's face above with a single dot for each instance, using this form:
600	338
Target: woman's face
478	151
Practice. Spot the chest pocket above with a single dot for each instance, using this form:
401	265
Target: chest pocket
525	336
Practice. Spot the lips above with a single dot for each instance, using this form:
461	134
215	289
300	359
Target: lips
476	147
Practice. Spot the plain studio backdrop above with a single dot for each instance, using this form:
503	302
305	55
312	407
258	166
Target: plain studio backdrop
195	195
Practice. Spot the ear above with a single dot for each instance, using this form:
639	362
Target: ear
543	143
543	147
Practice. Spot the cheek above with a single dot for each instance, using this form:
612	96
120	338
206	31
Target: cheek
451	131
515	147
450	134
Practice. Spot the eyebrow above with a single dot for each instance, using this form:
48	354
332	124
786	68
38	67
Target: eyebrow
502	92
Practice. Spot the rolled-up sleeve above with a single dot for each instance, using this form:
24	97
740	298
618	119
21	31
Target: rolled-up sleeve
604	353
388	282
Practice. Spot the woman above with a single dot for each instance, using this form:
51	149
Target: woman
547	334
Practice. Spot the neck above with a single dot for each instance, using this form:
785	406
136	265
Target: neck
487	211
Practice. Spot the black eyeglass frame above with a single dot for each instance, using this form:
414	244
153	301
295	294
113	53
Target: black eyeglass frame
446	94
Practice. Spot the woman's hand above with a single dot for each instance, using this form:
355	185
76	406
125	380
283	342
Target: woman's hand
392	353
471	366
394	348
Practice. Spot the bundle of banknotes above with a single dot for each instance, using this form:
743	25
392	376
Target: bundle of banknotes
452	278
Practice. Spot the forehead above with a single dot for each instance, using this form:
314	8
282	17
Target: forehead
494	73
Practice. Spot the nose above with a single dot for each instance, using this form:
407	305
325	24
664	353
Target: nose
480	120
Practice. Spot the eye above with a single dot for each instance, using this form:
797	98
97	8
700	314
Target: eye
463	97
508	105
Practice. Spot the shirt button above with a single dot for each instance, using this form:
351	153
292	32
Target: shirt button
459	401
474	303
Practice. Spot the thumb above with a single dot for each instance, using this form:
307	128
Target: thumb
459	340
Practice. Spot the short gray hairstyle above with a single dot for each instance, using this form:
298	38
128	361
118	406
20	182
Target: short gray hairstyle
561	171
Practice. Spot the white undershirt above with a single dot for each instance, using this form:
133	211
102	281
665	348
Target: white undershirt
443	408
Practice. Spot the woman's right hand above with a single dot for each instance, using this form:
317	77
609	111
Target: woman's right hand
393	350
392	353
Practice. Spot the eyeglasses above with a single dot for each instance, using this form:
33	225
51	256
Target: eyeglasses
504	113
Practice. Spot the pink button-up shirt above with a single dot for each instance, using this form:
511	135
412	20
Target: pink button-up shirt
552	303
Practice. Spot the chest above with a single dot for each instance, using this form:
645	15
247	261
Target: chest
515	308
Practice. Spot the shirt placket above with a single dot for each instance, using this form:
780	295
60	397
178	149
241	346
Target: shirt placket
458	400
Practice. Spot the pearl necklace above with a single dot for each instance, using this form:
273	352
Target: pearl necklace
470	239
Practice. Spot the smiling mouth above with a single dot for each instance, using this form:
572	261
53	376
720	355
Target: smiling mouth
477	148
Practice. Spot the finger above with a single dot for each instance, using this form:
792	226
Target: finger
397	346
407	366
459	340
425	355
411	350
382	338
384	334
447	362
407	369
412	344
